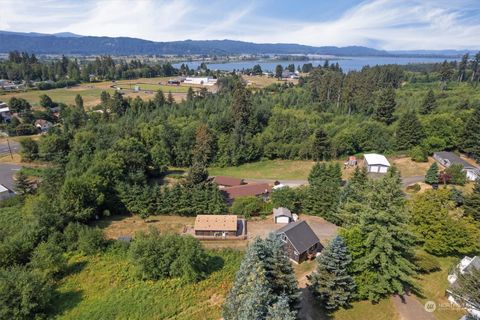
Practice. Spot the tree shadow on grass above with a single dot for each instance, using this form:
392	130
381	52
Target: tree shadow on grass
75	267
310	308
64	301
214	264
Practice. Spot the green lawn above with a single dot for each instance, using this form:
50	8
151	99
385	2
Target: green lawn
268	169
91	96
105	287
433	288
384	310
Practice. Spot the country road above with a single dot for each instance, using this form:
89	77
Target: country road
7	171
4	149
406	181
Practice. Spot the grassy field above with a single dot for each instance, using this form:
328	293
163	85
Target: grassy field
90	92
105	287
384	310
433	287
299	170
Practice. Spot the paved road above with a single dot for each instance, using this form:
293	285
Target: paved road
7	171
406	181
15	146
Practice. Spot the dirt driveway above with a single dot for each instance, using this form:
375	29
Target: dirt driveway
322	228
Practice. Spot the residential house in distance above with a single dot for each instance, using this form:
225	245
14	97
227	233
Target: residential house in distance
5	112
248	190
5	193
299	241
43	125
282	215
376	163
466	265
225	182
446	159
203	81
219	227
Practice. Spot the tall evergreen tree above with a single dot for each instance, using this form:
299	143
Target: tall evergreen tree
472	202
385	268
279	271
432	176
409	132
190	94
429	103
331	283
159	99
471	135
323	193
280	310
386	106
79	102
170	99
322	149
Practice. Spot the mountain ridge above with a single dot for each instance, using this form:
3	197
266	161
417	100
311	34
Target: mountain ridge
73	44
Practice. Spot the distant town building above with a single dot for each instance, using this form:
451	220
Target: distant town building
204	81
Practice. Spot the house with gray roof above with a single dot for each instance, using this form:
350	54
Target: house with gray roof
299	241
446	159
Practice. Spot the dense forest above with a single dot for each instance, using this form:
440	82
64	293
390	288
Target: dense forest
112	160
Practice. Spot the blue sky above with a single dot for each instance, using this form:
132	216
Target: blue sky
382	24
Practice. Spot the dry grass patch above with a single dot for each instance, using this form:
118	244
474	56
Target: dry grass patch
409	168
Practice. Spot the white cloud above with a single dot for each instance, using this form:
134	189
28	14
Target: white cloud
386	24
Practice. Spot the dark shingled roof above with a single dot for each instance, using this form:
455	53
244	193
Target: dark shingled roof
300	235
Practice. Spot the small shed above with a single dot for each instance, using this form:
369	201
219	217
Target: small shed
376	163
282	215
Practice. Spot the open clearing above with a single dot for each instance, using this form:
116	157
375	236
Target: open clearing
90	92
106	287
299	169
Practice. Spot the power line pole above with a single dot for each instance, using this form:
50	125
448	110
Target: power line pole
9	149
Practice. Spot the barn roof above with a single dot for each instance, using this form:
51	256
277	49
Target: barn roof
376	159
300	235
251	189
279	212
227	181
210	222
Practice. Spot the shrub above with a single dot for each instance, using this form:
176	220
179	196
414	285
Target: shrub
456	174
24	294
247	206
80	237
48	259
426	263
29	151
286	197
418	154
158	257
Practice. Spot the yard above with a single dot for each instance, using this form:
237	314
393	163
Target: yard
105	287
117	226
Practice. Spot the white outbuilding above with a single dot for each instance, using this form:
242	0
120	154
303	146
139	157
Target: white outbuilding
376	163
282	215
